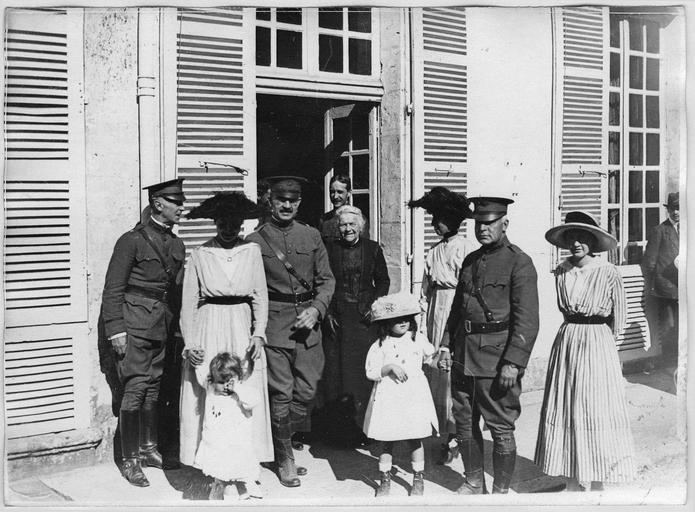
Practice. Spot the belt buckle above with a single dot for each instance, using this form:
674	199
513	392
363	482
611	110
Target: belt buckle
165	295
467	326
297	302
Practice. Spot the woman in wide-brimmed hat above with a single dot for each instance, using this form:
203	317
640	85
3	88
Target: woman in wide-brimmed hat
584	431
224	309
440	277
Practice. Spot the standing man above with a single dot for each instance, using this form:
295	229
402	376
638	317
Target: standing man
494	323
139	304
300	287
659	266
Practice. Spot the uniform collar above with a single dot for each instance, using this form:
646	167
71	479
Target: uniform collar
284	227
502	242
159	226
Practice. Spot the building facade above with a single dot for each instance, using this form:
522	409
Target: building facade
559	108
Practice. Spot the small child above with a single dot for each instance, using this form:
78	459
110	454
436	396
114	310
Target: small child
400	407
226	450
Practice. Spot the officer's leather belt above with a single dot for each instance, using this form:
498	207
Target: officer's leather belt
293	298
484	327
230	300
583	319
150	293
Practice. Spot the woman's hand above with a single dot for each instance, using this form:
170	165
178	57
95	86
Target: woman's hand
255	347
195	355
444	360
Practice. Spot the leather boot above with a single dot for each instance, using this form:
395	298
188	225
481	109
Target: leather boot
149	454
284	457
384	485
503	465
129	425
474	477
418	488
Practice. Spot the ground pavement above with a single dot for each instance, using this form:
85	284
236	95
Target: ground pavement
347	476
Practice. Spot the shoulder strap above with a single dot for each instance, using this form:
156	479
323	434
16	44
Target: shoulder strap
478	293
283	259
159	254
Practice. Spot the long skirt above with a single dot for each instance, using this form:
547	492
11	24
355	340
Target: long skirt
584	430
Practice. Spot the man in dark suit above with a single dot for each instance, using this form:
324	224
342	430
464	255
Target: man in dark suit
493	325
139	304
659	266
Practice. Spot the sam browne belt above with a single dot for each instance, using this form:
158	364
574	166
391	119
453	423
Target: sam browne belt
293	298
150	293
484	327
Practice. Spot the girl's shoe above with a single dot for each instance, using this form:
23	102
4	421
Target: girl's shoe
252	489
385	486
217	490
418	488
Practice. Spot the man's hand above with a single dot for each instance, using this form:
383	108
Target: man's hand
119	344
507	376
255	347
307	318
444	360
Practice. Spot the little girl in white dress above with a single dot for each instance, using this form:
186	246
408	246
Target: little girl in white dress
226	451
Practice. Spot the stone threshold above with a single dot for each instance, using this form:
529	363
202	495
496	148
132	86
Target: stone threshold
52	444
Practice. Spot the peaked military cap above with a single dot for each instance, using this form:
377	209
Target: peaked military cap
287	185
172	189
488	209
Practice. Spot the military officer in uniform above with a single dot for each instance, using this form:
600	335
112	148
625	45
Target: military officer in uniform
300	287
139	303
492	326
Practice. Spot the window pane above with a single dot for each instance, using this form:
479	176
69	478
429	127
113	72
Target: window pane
652	111
263	14
360	171
360	52
360	19
653	74
614	109
615	31
635	35
293	16
614	222
614	186
341	134
331	17
636	64
652	187
263	46
652	149
361	200
636	111
615	69
341	166
652	218
330	53
614	148
634	225
634	194
360	131
289	49
636	148
634	254
652	37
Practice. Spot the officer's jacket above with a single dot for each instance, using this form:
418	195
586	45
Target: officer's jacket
508	283
134	262
302	246
661	275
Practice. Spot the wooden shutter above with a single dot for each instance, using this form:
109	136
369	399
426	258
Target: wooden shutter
633	342
45	222
215	108
440	108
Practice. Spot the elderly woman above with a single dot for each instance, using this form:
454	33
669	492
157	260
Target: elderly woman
584	431
361	276
224	309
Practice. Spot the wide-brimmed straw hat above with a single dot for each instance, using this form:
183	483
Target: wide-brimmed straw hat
395	305
226	204
585	222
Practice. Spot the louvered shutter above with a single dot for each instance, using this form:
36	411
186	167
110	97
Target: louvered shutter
581	120
440	107
215	108
635	339
45	223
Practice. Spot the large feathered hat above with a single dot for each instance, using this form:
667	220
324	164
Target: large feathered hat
442	202
226	204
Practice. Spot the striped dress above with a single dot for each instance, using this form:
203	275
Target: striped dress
584	430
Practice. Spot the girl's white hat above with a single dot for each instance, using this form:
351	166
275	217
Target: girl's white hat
395	305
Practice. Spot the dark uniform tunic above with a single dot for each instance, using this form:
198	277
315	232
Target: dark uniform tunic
141	300
508	283
295	357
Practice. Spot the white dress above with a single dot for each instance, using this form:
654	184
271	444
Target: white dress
226	449
584	430
400	410
442	266
213	271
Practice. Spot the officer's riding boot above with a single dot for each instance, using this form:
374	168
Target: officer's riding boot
149	454
299	421
129	425
503	465
474	477
284	457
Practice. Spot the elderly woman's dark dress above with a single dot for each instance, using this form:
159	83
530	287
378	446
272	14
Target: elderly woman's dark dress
361	276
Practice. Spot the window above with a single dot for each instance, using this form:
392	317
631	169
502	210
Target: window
634	135
280	38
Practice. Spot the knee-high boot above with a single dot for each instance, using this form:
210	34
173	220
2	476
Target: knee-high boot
149	454
503	465
284	456
472	457
129	425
